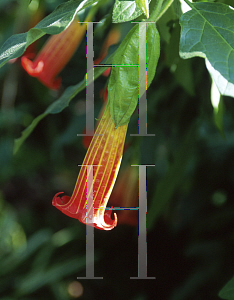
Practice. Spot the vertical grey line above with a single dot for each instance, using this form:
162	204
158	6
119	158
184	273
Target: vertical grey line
142	230
90	81
142	129
142	121
142	243
89	252
89	229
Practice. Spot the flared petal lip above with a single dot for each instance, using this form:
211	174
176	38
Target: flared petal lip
36	70
97	220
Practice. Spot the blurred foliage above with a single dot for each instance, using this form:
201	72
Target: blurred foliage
190	190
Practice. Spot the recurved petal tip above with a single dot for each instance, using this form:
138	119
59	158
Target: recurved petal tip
104	220
100	219
59	201
30	67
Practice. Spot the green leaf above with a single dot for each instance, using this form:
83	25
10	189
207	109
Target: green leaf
227	291
125	11
56	107
208	32
54	23
144	6
123	84
225	88
37	279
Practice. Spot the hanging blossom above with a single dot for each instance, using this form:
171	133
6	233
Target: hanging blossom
105	154
55	54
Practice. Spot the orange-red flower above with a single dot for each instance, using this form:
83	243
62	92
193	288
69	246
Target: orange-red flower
55	54
88	138
104	154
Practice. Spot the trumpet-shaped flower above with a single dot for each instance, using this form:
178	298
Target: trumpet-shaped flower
55	54
104	154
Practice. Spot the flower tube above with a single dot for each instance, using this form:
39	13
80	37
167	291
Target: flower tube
55	55
104	154
88	138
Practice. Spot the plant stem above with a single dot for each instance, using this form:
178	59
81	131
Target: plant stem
92	12
165	7
189	3
156	11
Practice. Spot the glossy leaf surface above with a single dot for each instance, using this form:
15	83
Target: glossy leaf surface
124	80
125	11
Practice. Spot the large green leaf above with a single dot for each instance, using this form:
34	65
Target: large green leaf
54	23
56	107
125	11
124	80
208	32
227	291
